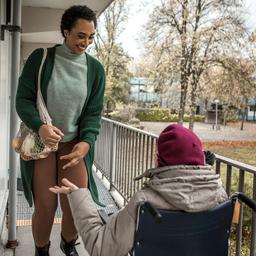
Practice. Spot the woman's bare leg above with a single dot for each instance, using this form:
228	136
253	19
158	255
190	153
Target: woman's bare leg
45	201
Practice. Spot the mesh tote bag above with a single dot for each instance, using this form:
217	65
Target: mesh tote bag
28	143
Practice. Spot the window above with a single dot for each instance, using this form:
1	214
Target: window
252	108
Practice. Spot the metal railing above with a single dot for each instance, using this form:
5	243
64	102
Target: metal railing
240	177
123	152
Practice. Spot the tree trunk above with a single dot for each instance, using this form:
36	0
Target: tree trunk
182	103
242	123
183	93
225	118
192	117
254	109
183	73
194	84
244	114
225	112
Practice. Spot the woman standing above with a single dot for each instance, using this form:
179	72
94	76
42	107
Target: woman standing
72	86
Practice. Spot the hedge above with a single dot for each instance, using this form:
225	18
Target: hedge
163	115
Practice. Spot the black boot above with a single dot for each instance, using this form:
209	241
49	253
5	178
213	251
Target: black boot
68	248
42	251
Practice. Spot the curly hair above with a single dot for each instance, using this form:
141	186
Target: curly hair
73	13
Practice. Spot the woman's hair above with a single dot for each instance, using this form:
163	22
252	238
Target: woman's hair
75	12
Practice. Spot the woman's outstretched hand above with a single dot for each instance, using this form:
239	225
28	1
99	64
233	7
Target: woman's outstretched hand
68	188
79	151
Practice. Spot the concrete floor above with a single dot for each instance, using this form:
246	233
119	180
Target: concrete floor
3	241
26	243
24	234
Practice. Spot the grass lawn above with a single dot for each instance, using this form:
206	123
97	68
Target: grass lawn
237	151
245	153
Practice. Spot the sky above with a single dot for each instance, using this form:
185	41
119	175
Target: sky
250	6
139	14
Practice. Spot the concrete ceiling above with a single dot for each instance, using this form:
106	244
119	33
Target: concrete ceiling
97	5
50	35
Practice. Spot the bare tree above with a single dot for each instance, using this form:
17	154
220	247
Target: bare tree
232	81
194	32
112	54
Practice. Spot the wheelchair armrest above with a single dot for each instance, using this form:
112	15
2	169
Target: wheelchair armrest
153	211
245	199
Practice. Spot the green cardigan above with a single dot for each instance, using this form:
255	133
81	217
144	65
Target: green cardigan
88	123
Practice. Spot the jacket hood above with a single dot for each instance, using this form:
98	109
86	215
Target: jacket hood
188	188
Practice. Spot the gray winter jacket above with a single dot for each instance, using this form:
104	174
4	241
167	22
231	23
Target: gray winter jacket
188	188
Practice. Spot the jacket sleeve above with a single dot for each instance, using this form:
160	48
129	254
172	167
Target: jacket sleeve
27	90
90	120
113	238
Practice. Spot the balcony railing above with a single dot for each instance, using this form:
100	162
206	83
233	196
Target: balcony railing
241	177
123	152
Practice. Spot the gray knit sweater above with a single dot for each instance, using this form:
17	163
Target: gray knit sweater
67	91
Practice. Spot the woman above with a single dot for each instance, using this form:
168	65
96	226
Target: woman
72	86
181	181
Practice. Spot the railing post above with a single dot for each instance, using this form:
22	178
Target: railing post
253	232
228	179
217	170
113	154
239	233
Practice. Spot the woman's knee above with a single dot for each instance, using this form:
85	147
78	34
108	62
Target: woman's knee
46	206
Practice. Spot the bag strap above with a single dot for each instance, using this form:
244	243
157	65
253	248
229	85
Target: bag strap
43	112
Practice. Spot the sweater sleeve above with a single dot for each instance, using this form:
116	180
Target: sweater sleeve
27	90
90	120
113	238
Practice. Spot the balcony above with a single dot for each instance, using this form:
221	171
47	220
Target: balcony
122	152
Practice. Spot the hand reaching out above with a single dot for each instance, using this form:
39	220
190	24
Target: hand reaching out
68	188
78	153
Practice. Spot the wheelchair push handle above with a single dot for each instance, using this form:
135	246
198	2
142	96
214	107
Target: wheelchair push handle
245	199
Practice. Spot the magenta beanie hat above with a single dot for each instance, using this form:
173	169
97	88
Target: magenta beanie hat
178	145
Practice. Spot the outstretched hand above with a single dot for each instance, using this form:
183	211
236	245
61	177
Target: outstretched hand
68	188
78	153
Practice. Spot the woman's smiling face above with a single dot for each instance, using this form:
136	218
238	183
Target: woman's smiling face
80	36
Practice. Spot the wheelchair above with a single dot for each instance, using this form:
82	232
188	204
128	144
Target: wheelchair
162	232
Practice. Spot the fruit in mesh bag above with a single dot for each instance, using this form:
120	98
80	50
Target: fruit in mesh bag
17	143
33	148
18	140
27	145
40	150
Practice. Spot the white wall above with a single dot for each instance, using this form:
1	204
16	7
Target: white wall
250	115
41	25
5	58
39	19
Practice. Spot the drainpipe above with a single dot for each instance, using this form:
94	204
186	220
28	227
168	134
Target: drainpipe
15	70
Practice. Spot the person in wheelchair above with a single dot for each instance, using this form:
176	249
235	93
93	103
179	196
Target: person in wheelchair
182	180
